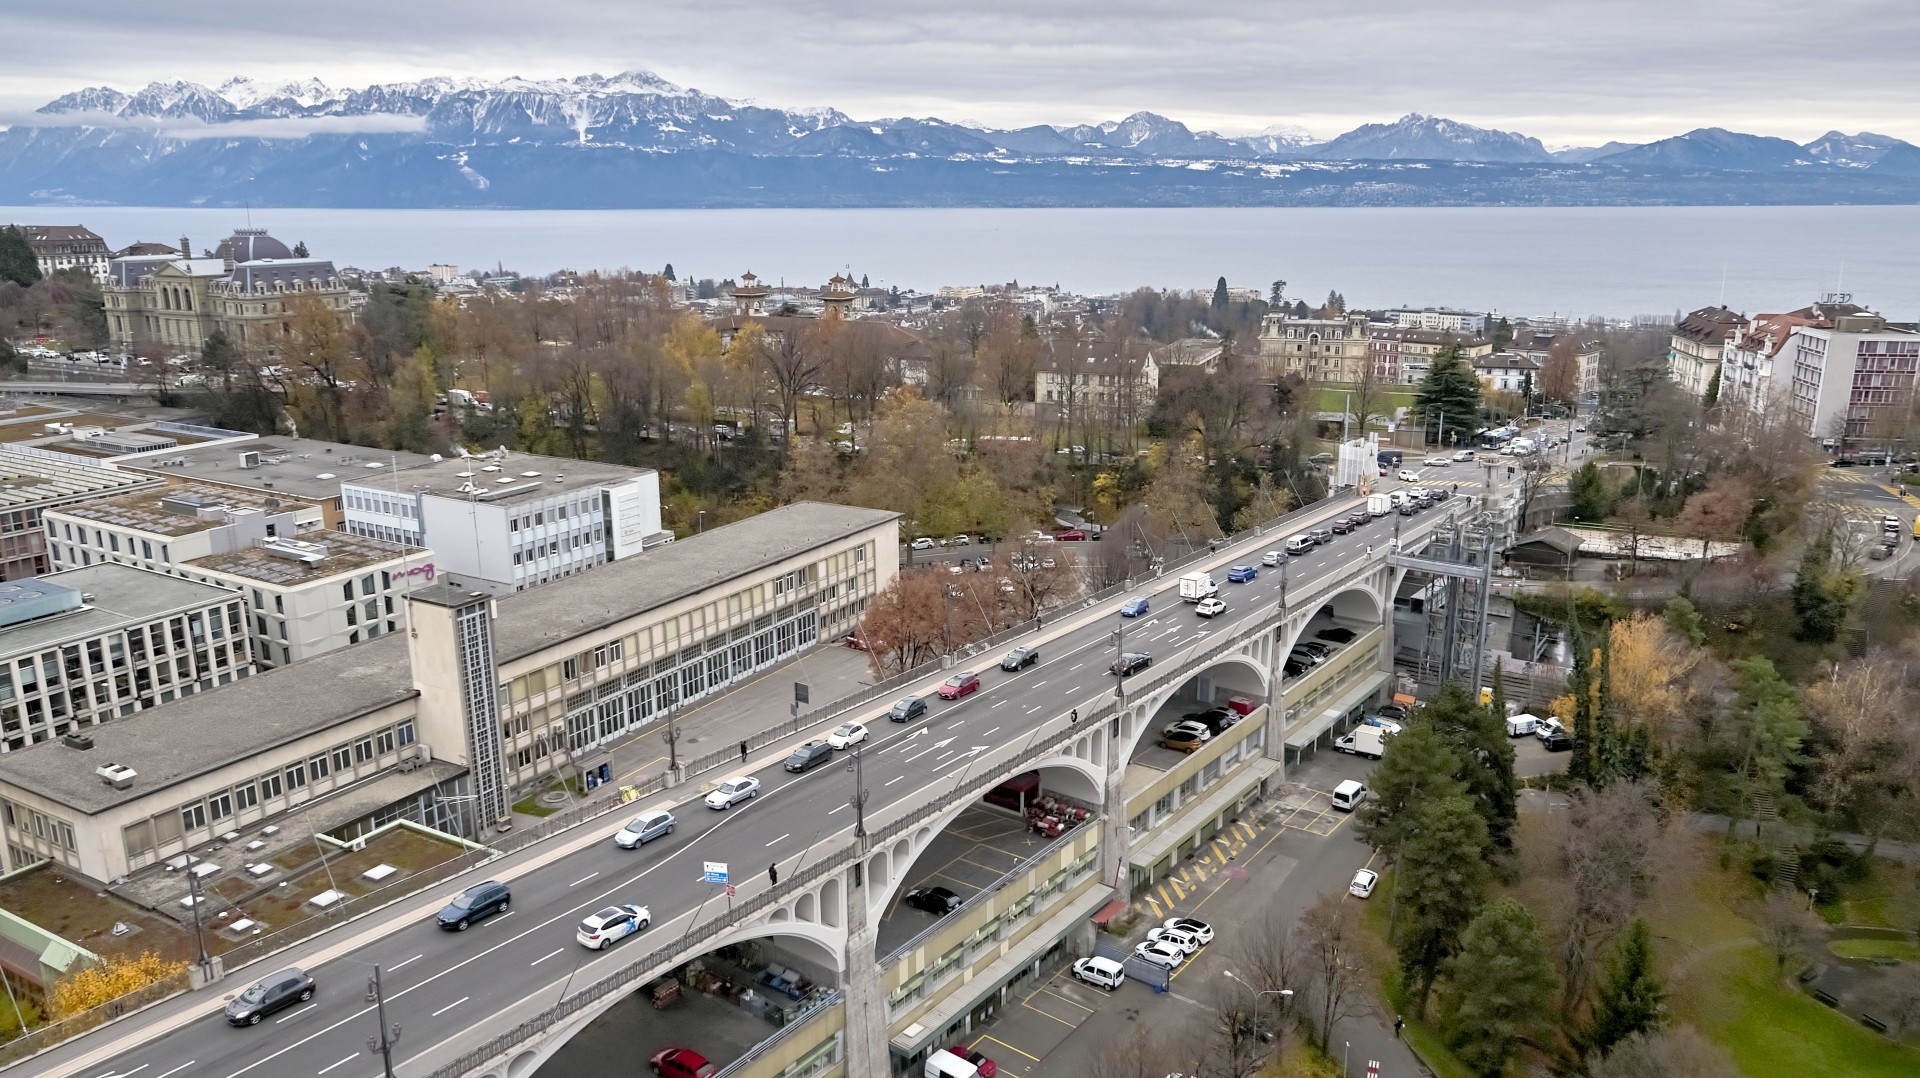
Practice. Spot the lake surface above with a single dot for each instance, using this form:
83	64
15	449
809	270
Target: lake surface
1613	261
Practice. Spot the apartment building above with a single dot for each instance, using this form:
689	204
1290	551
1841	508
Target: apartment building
1318	349
1402	355
1537	344
1443	319
80	647
1105	392
1843	374
308	590
61	247
1697	346
35	480
1508	372
503	522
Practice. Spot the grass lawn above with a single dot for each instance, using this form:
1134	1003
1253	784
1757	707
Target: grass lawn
76	912
1872	949
1887	898
1387	398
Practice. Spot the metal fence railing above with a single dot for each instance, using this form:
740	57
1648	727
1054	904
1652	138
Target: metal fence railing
48	1036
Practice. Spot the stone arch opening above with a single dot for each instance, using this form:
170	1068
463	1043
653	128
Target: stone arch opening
1237	681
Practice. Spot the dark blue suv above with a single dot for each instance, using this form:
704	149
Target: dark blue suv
476	903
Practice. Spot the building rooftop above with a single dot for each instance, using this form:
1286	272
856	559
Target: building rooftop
142	510
300	467
510	479
333	553
31	478
573	606
114	595
208	730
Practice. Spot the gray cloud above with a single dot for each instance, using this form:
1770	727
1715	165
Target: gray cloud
1628	69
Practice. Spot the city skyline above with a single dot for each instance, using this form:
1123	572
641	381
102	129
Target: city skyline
1647	72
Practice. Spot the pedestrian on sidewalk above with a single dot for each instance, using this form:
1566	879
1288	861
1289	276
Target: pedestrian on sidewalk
773	875
1399	1024
743	752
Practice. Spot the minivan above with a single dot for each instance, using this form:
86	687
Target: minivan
1348	795
1299	544
1100	972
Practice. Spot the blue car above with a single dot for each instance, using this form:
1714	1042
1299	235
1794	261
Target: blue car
1241	574
1134	607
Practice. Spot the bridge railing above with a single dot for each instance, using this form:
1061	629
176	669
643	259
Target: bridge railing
795	1025
39	1040
1021	869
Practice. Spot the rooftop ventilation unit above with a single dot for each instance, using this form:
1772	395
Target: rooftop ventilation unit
77	741
250	459
296	550
117	776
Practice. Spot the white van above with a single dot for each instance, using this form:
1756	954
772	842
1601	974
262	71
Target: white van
1299	544
1546	728
944	1064
1521	725
1100	972
1348	795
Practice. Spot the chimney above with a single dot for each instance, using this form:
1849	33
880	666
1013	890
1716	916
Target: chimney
186	248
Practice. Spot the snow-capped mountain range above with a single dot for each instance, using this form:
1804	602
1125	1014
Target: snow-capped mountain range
634	139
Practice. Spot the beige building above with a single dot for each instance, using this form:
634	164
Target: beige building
1698	345
1402	355
1318	349
60	247
246	289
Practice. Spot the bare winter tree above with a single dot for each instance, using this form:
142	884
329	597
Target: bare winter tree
1676	1052
1142	1054
1329	950
1783	929
1609	836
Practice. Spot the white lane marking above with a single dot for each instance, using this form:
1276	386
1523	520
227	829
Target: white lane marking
546	956
342	1063
175	1070
131	1073
781	839
1034	708
398	965
584	879
991	732
919	754
831	811
498	917
1075	666
895	779
1000	702
1040	685
451	1006
284	1018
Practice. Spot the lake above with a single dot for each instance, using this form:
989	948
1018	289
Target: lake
1577	261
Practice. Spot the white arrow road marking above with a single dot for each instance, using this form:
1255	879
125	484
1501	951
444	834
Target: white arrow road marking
943	744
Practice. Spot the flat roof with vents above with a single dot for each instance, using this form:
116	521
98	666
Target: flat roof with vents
164	511
30	477
301	467
519	477
91	600
292	562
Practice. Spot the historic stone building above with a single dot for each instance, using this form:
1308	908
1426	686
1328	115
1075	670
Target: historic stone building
1318	349
246	288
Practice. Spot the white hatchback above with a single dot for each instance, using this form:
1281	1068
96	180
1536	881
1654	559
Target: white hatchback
1208	607
1164	955
1406	476
847	735
733	791
1363	882
602	930
1272	557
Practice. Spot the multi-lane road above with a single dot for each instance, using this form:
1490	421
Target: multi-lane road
445	986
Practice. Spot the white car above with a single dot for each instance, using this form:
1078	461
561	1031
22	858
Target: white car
1189	726
1363	882
958	540
846	735
924	543
1100	972
1209	606
1200	929
1407	476
1186	941
1164	955
602	930
1437	462
733	791
1463	455
1272	557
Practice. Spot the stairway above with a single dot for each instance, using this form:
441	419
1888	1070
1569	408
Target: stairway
1786	856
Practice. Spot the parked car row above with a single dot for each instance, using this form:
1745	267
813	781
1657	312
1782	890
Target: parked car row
1173	942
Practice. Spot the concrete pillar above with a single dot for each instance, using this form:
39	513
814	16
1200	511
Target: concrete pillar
1115	843
866	1003
1276	732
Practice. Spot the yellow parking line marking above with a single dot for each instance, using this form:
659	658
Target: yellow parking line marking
1003	1044
1069	1000
1164	900
1183	873
1055	1017
1177	892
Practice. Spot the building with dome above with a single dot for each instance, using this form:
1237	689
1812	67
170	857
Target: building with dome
170	304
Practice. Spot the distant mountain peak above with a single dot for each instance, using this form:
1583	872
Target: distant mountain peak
1419	137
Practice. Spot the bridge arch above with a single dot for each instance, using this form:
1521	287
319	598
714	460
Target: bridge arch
1238	673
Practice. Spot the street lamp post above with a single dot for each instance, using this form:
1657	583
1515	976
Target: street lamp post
1283	993
199	934
859	798
389	1036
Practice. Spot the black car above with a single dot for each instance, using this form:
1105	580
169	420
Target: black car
1321	536
1557	742
1020	658
1359	519
809	754
938	901
1131	663
1395	712
1342	526
1409	507
910	708
1214	719
476	903
1294	667
1337	635
277	992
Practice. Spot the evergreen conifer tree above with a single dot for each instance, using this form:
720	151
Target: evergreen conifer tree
1631	1000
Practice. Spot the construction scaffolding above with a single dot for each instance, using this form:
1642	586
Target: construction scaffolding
1458	561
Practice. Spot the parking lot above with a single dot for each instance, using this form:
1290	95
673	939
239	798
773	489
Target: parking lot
981	846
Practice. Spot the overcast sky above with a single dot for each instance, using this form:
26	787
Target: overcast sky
1567	73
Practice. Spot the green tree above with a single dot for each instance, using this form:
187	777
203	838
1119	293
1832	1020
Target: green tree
1593	500
1274	293
1220	294
1580	687
1502	334
1441	882
1479	739
1607	749
1713	390
17	261
300	249
1497	984
1823	595
1449	396
1775	726
1419	764
668	272
1684	618
1631	1000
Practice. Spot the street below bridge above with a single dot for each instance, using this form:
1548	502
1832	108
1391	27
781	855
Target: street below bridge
451	989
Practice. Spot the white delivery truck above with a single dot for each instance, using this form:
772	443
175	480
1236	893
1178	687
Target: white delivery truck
1197	586
1364	741
1379	505
1521	725
944	1064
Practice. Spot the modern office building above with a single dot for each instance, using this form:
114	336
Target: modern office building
309	590
503	522
1443	319
87	645
33	481
278	466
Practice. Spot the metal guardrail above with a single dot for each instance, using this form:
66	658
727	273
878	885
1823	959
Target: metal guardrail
51	1035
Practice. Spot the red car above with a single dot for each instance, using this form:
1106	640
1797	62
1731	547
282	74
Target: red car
987	1067
958	685
853	641
1071	535
682	1063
